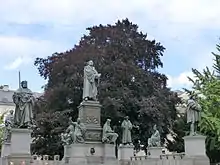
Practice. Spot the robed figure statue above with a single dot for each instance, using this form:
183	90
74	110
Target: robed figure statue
91	81
24	101
193	114
126	131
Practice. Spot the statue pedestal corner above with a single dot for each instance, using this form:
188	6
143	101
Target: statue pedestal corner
125	152
20	146
20	141
74	154
6	149
155	152
195	146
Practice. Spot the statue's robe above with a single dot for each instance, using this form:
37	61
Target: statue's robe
126	131
24	100
90	82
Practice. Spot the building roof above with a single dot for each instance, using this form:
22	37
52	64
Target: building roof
6	96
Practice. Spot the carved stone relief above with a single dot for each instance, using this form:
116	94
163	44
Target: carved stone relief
91	120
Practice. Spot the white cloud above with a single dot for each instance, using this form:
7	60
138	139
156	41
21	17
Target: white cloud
21	50
180	81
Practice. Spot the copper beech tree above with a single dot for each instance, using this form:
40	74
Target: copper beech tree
130	83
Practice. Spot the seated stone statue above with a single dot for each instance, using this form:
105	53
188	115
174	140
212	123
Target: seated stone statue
154	140
109	136
68	136
79	131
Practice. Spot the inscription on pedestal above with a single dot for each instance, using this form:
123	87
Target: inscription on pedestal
93	136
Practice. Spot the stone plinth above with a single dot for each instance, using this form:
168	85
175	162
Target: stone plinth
74	154
20	146
125	153
6	149
155	152
195	145
89	113
20	141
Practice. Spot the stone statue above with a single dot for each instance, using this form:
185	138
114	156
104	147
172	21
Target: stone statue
79	132
91	81
126	131
9	120
154	140
24	101
68	136
108	136
193	114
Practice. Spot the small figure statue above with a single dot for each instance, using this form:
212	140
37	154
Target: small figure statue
9	120
108	136
193	114
126	131
91	81
24	101
154	140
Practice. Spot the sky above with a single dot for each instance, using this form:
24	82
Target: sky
189	30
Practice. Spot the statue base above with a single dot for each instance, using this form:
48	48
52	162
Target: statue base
20	147
89	153
195	145
6	149
155	152
125	153
89	113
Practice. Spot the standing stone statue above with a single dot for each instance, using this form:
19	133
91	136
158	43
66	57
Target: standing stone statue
154	140
24	101
193	114
9	120
108	136
91	81
126	131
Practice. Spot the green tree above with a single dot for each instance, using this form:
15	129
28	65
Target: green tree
130	83
207	85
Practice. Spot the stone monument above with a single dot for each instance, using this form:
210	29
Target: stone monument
91	149
18	127
154	144
126	149
195	143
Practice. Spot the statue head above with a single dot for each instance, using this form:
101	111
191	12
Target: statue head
11	112
90	63
24	84
155	127
78	120
126	118
108	121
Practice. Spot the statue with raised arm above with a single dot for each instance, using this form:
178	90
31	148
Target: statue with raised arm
108	136
24	102
79	132
126	131
67	137
154	140
91	81
9	120
193	114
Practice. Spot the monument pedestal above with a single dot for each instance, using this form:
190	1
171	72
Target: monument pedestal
195	149
20	146
89	113
6	149
125	153
155	152
74	154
